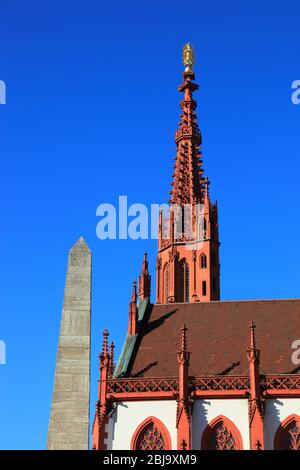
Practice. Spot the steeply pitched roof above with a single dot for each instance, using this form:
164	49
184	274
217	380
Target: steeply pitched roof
218	337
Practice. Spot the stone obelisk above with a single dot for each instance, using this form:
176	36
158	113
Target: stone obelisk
69	416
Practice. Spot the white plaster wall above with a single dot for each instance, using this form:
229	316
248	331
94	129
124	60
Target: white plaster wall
129	415
206	410
278	410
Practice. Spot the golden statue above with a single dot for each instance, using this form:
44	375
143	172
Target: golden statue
188	57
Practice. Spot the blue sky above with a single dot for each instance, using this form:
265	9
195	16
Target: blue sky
92	106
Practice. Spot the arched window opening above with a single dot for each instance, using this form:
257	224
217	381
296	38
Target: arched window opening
288	434
203	261
221	434
204	228
166	283
184	282
151	435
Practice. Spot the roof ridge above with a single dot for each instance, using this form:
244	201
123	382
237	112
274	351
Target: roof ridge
229	301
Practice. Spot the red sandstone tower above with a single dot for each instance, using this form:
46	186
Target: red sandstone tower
188	268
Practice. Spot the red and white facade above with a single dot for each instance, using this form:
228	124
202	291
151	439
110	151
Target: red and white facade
194	372
189	412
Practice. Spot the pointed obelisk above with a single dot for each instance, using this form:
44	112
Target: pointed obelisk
69	416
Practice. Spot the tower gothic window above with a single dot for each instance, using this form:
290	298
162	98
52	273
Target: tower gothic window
184	282
203	287
203	261
151	435
204	228
166	283
288	434
221	434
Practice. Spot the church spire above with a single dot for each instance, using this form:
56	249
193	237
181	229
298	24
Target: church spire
187	185
188	267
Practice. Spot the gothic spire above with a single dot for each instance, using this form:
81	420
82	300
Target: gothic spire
104	352
188	186
133	312
187	267
144	280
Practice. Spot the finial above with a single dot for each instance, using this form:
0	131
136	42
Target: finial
133	312
145	263
252	333
183	338
111	354
133	296
105	337
188	57
144	280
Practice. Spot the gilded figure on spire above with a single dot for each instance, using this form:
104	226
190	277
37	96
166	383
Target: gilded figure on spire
188	56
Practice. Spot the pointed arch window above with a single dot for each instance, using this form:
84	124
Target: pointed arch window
221	434
151	435
287	436
166	283
184	279
203	261
201	227
204	228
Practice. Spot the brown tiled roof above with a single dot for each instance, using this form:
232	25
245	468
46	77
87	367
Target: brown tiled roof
218	337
